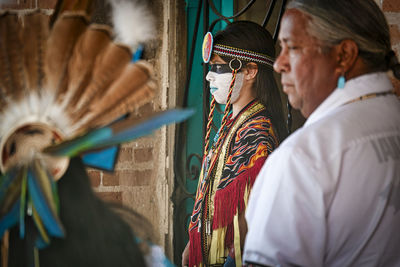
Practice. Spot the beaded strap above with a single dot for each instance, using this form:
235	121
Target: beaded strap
210	119
243	54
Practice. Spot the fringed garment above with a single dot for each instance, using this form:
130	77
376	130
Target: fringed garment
227	176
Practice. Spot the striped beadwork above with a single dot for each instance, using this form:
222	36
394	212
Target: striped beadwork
209	123
243	54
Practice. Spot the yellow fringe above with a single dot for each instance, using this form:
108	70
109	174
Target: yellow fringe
218	252
236	242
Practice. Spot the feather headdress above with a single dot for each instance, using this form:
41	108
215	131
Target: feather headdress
62	89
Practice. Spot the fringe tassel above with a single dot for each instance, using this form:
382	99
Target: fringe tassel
195	252
229	237
231	199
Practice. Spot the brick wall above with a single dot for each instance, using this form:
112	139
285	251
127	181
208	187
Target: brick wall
143	179
391	8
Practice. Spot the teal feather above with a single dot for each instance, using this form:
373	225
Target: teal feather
40	189
75	146
5	181
43	238
10	190
22	210
12	199
40	243
119	132
147	126
9	219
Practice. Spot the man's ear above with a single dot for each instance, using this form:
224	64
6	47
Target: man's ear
347	55
251	70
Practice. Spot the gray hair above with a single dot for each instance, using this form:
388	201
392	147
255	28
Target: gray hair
362	21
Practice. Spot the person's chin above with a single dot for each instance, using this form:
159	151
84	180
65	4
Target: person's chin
305	110
220	101
295	103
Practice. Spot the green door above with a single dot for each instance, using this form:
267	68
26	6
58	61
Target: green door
195	126
190	135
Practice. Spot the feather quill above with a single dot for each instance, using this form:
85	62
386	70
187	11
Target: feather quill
40	226
124	131
11	60
42	195
132	79
60	44
136	99
109	65
89	45
119	132
34	40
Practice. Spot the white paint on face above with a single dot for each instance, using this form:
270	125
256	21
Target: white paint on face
219	86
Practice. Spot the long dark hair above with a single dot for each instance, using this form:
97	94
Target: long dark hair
95	235
251	36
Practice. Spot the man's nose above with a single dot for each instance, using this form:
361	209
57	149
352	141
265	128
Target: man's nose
281	63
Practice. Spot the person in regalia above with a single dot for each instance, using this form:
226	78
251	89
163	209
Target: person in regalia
241	76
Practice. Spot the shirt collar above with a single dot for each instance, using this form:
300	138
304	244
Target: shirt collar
354	88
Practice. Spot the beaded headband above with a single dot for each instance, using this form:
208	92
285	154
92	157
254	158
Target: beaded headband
224	50
238	53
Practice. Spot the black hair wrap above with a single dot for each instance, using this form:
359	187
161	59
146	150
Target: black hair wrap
393	63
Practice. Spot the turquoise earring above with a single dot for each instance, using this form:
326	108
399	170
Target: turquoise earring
341	81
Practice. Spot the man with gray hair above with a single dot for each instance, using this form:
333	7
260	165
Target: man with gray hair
330	194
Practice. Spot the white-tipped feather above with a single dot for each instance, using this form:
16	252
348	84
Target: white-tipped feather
134	24
34	108
45	107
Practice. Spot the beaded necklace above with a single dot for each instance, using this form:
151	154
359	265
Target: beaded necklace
368	96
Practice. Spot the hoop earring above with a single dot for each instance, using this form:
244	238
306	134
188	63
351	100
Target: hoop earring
341	82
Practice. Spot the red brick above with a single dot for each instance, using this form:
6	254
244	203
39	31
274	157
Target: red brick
143	155
110	179
391	6
125	154
395	34
136	178
94	177
115	197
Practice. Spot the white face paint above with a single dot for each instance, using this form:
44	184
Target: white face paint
219	86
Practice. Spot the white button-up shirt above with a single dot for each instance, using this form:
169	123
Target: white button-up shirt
330	194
